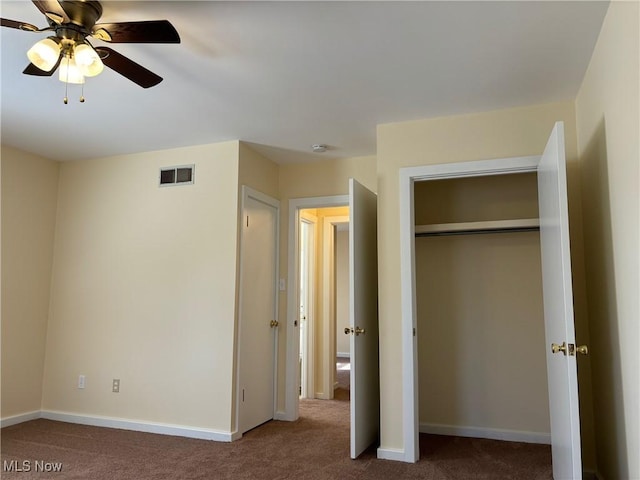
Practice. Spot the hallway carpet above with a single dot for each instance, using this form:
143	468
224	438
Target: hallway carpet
314	447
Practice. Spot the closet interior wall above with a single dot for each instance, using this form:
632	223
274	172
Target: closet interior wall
480	318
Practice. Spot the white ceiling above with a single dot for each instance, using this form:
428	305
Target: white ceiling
285	75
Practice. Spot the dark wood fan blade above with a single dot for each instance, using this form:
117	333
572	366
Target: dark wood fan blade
153	31
33	70
128	68
52	10
19	25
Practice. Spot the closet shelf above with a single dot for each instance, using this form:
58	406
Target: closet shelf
491	226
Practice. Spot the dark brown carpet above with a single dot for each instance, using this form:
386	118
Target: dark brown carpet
314	447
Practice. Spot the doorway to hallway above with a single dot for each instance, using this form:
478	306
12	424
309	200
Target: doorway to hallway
323	294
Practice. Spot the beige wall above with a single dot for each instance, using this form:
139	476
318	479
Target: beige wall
497	134
326	177
143	290
342	291
481	345
29	199
608	128
258	172
476	199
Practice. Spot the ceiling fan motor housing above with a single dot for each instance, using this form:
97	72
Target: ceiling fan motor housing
82	13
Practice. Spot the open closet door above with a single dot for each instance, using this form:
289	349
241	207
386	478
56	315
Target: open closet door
363	285
558	309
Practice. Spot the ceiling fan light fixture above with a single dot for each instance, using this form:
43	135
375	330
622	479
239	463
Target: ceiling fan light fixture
87	60
44	54
69	71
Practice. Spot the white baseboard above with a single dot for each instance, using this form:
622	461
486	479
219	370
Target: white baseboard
16	419
490	433
391	454
281	415
149	427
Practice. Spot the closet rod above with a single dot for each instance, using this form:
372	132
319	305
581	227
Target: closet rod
476	231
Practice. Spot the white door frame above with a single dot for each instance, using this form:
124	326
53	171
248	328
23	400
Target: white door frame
307	376
408	176
293	332
248	192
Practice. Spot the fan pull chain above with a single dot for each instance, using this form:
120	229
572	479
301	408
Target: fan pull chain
66	83
66	86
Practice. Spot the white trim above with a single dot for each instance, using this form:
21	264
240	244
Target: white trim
308	375
280	415
409	339
248	192
485	226
21	418
329	299
407	177
343	355
139	426
476	168
391	454
490	433
293	344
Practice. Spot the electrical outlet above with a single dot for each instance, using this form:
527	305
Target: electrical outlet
80	381
116	385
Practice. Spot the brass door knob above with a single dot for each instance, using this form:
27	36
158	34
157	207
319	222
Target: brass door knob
356	331
555	348
582	350
569	349
273	323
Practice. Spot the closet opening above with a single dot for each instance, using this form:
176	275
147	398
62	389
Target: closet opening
560	347
479	306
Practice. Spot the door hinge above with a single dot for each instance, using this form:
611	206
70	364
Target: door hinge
243	394
247	220
414	331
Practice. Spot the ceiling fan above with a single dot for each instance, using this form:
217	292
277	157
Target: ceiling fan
72	23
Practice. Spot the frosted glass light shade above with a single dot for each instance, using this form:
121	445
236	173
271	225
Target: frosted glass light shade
44	54
69	72
87	60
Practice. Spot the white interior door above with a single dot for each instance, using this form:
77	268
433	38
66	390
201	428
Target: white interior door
363	285
306	295
258	311
558	308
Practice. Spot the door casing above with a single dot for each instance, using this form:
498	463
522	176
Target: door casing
250	193
292	399
408	176
307	340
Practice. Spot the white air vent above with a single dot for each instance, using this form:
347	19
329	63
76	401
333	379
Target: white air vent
182	175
